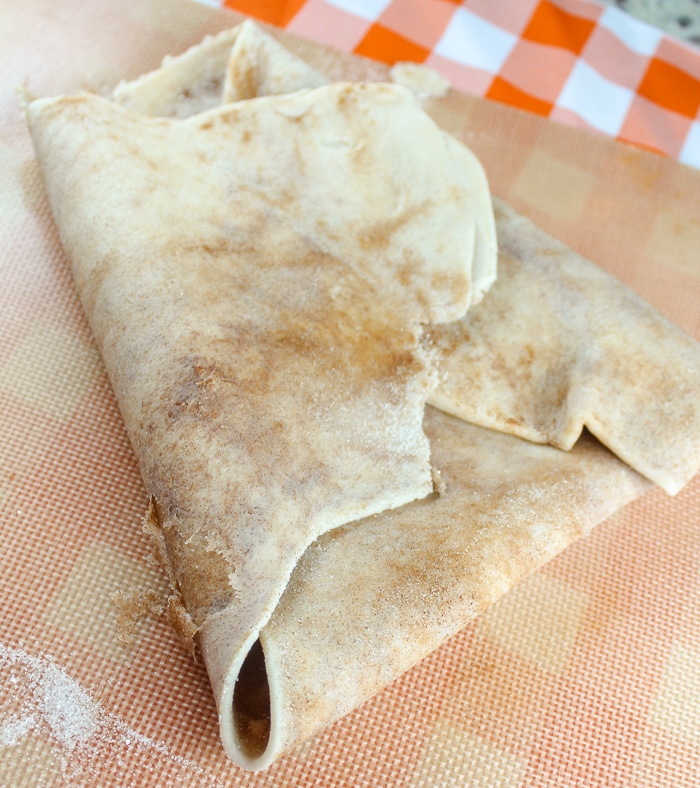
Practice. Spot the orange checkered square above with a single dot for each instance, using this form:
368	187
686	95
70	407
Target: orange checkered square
556	27
652	127
679	55
510	15
420	21
569	118
384	45
613	60
670	87
276	12
329	25
503	91
538	70
464	78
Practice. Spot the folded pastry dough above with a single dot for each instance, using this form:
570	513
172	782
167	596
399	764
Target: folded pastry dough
279	273
560	345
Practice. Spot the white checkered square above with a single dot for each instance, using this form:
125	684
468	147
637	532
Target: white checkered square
637	36
365	9
601	103
472	41
690	152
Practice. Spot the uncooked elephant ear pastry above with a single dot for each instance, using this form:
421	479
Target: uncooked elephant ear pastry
370	599
257	277
236	64
279	273
560	345
259	66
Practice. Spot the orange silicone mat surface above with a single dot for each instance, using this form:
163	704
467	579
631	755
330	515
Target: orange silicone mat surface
587	674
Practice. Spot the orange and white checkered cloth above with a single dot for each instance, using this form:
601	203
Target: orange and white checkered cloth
578	62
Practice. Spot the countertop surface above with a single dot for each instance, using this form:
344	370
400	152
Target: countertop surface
679	18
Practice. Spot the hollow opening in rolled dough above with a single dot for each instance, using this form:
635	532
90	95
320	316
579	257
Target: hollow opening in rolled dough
251	704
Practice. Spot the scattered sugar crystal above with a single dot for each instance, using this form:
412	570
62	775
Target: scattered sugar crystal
53	703
13	730
67	708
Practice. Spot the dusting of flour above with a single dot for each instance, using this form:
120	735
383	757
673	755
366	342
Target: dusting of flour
38	697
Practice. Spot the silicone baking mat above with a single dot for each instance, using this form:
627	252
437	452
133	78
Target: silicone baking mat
587	674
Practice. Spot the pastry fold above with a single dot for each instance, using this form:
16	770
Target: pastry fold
280	272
